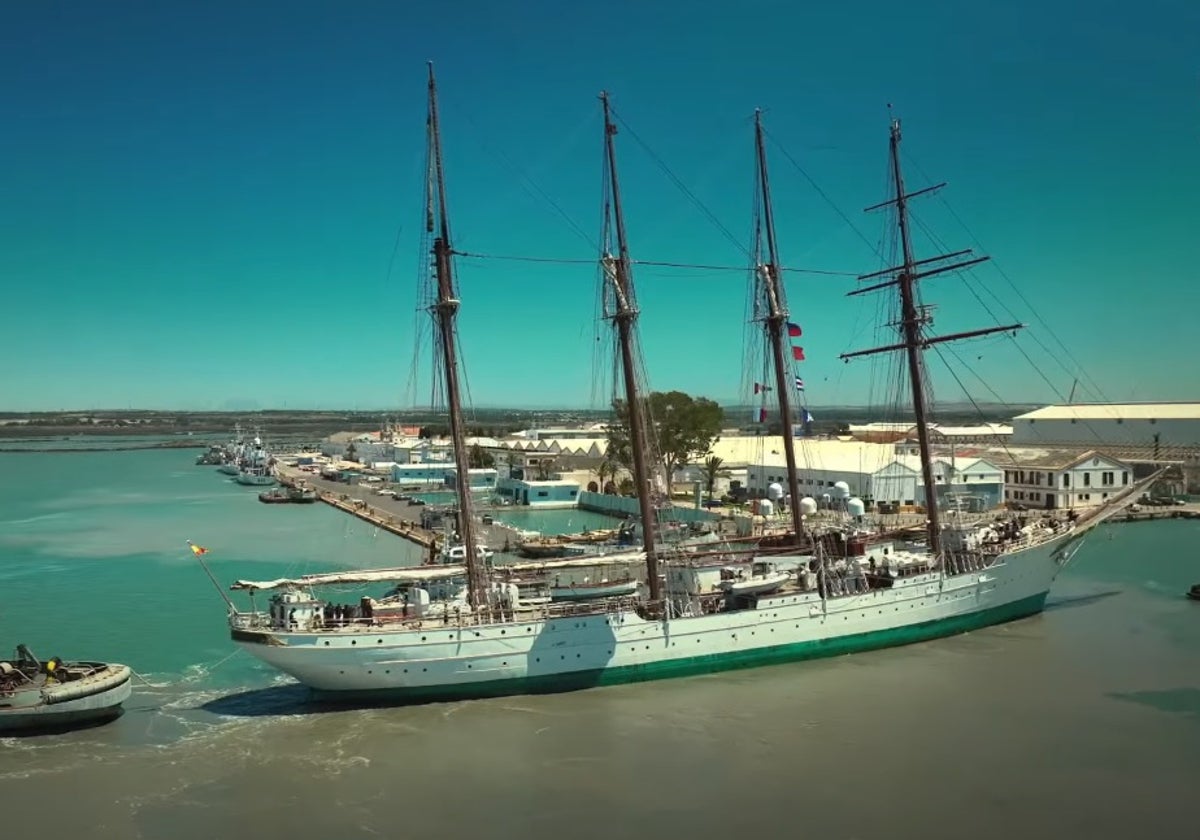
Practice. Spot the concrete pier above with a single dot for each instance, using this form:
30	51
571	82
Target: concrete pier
384	512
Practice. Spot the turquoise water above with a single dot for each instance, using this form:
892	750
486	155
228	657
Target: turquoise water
95	562
555	521
1018	726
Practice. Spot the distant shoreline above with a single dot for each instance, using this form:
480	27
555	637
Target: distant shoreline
129	448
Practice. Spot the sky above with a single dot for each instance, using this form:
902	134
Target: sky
218	205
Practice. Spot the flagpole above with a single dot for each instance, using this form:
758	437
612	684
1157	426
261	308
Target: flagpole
208	571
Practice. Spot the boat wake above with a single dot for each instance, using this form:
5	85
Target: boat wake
1066	602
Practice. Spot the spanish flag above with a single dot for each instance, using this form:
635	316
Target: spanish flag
197	549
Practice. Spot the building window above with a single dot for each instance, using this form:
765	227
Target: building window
542	494
1107	479
1087	479
1066	479
1125	479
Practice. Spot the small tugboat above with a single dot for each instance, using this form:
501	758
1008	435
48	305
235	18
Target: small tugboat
215	456
1194	592
40	696
298	494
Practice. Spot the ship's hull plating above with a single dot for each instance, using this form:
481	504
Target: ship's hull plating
443	662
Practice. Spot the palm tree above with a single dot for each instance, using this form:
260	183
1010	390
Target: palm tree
545	469
607	469
713	471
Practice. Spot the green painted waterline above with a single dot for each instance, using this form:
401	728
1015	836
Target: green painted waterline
707	664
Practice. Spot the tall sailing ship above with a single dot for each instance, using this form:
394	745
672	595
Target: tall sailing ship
465	630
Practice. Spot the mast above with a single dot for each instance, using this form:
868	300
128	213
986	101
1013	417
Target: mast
620	271
445	310
913	319
776	320
912	322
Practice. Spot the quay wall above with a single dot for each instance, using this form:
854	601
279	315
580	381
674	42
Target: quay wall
628	505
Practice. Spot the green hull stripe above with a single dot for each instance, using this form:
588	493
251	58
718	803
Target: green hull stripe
709	663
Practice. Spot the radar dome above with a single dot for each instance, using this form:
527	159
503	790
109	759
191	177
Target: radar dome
855	507
766	508
775	490
842	490
808	506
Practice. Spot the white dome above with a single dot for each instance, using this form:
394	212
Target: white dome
775	490
765	507
855	507
808	506
841	489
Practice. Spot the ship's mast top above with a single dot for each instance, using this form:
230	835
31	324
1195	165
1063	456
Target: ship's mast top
445	311
775	321
913	319
619	273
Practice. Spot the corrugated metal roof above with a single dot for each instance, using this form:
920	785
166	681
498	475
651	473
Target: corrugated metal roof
1117	411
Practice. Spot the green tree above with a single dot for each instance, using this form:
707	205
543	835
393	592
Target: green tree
545	469
682	427
712	471
607	473
478	459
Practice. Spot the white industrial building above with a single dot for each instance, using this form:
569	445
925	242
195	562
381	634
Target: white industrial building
881	432
1172	425
878	476
1063	480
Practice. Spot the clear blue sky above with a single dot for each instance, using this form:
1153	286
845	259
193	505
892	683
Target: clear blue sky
201	201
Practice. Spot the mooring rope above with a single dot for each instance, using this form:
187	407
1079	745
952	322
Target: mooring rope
204	669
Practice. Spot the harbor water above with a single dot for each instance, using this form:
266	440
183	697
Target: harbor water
1084	721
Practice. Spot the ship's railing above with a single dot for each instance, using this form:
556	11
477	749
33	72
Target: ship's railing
249	620
450	617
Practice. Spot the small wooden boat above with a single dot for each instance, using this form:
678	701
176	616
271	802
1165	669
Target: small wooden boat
40	696
1194	592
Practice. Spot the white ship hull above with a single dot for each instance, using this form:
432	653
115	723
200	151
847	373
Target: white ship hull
442	660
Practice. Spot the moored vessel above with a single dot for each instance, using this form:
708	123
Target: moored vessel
481	638
291	494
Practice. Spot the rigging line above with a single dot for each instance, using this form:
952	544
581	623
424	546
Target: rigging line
655	263
516	258
682	187
743	268
971	287
1003	443
971	399
975	239
540	193
821	192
